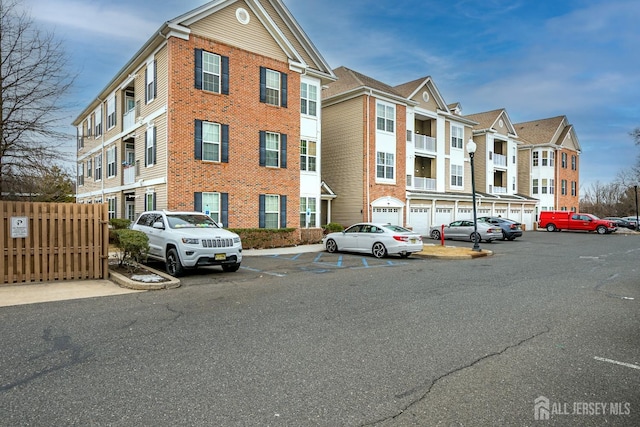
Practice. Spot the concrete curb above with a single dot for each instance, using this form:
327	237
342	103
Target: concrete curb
470	255
125	282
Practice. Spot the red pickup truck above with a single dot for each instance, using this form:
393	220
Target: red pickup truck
565	220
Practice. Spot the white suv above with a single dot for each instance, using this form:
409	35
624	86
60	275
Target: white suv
189	240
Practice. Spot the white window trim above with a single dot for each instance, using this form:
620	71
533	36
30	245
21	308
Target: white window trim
149	146
278	89
459	138
214	143
459	172
111	162
383	113
385	179
218	75
213	213
150	81
272	150
268	212
308	99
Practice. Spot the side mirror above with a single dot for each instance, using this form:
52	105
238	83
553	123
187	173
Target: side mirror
159	225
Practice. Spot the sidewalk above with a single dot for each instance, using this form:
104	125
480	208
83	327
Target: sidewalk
19	294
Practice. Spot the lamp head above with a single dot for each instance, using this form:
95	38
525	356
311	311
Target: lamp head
471	146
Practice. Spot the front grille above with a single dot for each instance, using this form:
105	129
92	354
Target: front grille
217	243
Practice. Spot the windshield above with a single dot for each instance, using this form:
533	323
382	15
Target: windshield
396	228
191	221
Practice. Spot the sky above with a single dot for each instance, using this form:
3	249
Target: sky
535	58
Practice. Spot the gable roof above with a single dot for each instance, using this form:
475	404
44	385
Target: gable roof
274	16
489	121
552	131
410	89
350	82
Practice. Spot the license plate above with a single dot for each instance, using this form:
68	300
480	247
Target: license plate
414	240
220	257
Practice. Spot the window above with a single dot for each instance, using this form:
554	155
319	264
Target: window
150	147
111	111
457	136
211	205
273	87
98	167
307	155
385	163
552	158
273	149
307	203
150	82
535	154
535	186
98	121
272	211
111	162
456	175
564	160
574	192
552	186
89	126
574	165
80	137
89	168
212	72
545	158
211	141
563	187
386	117
308	99
111	202
81	174
544	186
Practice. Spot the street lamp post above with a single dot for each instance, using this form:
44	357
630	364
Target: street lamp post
471	149
635	187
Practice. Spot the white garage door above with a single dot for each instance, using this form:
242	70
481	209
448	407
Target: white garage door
443	216
420	220
387	215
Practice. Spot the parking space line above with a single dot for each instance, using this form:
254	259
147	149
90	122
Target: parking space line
615	362
261	271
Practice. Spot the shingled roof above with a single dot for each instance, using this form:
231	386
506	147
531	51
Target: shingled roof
544	131
349	80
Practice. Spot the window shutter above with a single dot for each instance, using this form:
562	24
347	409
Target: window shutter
198	68
154	202
197	201
283	211
224	62
146	152
283	150
224	209
155	150
225	143
263	84
155	79
115	161
283	85
198	140
261	213
263	148
146	87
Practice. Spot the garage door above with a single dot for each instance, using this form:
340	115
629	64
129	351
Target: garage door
387	215
443	216
420	220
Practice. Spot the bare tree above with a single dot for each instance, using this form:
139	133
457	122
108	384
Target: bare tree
33	80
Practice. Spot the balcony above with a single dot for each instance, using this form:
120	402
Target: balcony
426	184
425	143
499	160
129	120
129	175
499	190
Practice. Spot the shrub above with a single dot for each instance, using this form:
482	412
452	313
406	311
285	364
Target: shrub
119	223
332	227
133	246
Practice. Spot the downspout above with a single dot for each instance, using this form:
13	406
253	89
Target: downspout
368	169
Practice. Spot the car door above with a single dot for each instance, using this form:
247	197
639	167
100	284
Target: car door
350	238
453	230
156	241
367	237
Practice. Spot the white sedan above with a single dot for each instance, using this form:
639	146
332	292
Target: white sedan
377	239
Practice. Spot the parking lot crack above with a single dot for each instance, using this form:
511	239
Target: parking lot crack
429	386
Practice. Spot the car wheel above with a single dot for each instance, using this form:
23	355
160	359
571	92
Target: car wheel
551	227
511	238
435	234
173	265
405	255
601	229
332	246
230	268
504	235
378	250
475	237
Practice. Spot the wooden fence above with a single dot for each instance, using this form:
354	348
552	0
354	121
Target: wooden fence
42	242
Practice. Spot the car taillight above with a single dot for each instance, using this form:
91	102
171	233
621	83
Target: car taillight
513	226
401	238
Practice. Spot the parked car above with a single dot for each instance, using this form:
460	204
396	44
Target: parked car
377	239
464	230
565	220
632	219
621	222
189	240
510	228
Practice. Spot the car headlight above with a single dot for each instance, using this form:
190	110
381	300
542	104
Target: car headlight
190	241
236	240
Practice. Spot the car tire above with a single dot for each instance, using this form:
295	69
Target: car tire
601	229
435	234
230	268
511	238
378	250
173	265
504	235
405	255
551	227
331	246
475	237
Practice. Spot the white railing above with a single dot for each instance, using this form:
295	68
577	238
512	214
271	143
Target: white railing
499	160
425	143
128	120
129	175
428	184
500	190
